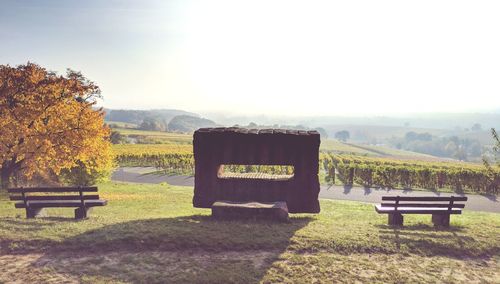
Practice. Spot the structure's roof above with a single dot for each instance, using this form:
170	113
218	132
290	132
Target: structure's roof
256	131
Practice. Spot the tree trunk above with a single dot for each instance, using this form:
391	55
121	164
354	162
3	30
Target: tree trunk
5	178
6	172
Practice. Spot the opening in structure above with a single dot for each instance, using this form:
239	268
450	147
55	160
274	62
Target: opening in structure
269	172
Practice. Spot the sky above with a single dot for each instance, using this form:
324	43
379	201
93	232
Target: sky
268	57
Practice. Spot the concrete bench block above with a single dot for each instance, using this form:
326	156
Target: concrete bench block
250	210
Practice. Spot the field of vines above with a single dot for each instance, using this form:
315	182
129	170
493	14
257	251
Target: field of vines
172	158
338	168
388	173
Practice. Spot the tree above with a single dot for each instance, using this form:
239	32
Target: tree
48	123
493	174
460	154
424	136
188	124
342	135
496	147
322	132
413	136
476	127
410	136
451	148
152	124
116	137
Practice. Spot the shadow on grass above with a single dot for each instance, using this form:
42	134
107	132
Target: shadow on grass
166	173
347	189
31	224
189	249
491	197
367	190
429	240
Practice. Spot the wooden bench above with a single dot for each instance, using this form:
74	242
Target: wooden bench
35	199
440	207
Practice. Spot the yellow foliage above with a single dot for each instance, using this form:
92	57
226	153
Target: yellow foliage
48	122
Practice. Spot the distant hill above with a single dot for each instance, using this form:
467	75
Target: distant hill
375	134
457	136
187	123
440	121
138	116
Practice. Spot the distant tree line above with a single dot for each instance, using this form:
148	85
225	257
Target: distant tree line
179	123
153	124
138	116
451	147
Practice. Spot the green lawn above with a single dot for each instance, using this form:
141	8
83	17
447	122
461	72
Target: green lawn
152	234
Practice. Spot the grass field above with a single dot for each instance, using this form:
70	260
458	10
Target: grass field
372	151
152	234
123	149
158	137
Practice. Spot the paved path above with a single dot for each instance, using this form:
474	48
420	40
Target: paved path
149	175
371	195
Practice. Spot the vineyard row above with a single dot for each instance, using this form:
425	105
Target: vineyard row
349	170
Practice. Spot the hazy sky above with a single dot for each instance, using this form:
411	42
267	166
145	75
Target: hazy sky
272	57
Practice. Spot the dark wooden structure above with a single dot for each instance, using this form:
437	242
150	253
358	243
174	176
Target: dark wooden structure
214	147
440	207
35	199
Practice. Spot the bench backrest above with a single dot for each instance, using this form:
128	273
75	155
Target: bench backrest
424	201
52	193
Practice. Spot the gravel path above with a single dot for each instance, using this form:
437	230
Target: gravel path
371	195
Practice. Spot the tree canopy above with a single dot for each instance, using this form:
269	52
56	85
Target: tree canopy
496	146
343	135
48	123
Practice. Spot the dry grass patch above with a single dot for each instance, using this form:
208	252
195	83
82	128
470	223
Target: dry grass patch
382	268
196	266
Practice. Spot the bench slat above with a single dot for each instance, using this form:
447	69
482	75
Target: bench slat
54	197
417	210
424	198
53	189
427	205
60	203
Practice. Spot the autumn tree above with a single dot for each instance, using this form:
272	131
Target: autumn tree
48	123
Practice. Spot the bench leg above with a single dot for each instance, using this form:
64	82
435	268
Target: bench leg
35	212
396	219
82	212
441	220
